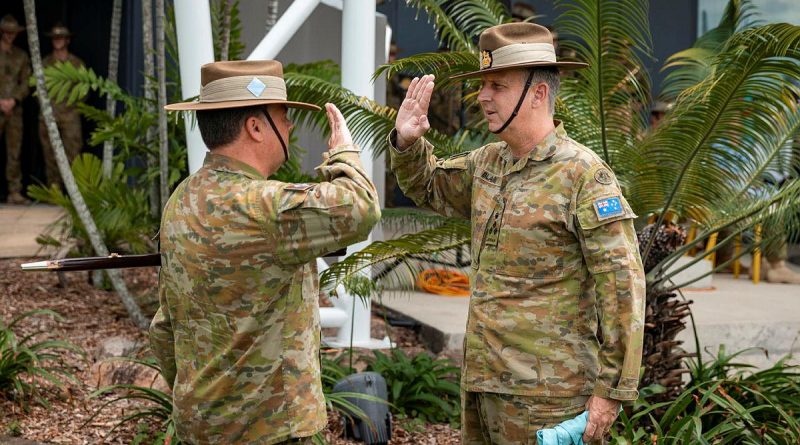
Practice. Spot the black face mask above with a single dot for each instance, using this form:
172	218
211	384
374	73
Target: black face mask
280	138
519	103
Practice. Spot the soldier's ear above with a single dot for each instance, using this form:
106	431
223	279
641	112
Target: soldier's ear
539	95
254	128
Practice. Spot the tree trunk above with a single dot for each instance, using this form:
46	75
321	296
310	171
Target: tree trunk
272	14
113	68
149	96
226	30
163	142
66	174
665	316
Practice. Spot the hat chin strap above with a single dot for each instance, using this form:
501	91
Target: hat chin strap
519	103
280	138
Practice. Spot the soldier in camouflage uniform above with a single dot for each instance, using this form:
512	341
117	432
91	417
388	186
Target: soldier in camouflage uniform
557	307
15	69
237	331
67	116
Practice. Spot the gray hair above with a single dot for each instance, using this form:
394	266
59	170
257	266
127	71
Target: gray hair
548	75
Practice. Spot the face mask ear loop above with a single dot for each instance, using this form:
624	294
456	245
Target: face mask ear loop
275	129
519	104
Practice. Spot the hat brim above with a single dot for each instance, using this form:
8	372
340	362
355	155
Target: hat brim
560	65
17	29
188	106
53	34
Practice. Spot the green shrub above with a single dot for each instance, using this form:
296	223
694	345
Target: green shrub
25	363
421	386
726	402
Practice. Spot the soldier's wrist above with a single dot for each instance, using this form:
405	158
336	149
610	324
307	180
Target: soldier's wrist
400	143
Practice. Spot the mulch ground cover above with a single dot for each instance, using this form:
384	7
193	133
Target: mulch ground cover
89	317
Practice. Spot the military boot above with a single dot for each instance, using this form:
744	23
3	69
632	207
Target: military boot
779	272
17	198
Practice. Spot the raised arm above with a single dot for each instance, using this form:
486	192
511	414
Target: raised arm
442	185
315	219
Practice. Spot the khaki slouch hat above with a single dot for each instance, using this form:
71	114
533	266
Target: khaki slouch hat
517	45
240	83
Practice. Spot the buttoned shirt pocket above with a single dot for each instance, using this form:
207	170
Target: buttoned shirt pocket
485	190
533	240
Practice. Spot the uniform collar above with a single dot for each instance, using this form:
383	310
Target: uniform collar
224	163
543	150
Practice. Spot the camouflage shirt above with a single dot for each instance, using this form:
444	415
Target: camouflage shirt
60	109
555	266
237	332
15	69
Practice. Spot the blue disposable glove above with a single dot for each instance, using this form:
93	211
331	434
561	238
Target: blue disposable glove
568	432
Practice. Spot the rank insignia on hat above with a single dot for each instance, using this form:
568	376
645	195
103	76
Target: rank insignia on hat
486	59
256	87
603	176
608	207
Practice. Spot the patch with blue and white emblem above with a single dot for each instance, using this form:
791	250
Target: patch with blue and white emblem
608	207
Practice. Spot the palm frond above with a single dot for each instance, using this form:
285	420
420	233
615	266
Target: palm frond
458	23
689	67
609	36
724	129
368	121
401	251
69	84
443	65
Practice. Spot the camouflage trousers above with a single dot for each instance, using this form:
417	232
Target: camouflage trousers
505	419
69	127
11	126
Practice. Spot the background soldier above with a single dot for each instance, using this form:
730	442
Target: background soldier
67	116
555	259
237	331
15	70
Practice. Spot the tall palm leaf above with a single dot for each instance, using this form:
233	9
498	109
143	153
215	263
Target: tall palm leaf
689	67
606	97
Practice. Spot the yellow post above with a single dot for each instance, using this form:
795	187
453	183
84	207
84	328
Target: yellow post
690	239
757	255
737	250
712	242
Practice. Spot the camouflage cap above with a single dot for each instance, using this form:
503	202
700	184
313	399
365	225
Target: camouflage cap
9	24
59	30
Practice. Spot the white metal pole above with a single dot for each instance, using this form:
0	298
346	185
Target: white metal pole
195	48
358	64
284	29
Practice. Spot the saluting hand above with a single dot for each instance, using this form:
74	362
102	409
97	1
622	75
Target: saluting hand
412	117
340	134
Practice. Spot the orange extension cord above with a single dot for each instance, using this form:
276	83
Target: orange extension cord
444	282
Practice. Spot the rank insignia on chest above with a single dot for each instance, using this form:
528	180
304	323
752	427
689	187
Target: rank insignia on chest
608	207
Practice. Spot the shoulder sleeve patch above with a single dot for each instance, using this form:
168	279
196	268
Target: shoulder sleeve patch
608	207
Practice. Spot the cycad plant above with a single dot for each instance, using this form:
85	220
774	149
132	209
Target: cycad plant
705	165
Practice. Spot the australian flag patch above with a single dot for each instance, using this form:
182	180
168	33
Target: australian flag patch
608	207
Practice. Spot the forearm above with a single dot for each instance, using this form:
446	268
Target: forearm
443	186
620	296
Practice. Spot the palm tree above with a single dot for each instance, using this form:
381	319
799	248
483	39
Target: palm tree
163	142
113	68
63	166
703	165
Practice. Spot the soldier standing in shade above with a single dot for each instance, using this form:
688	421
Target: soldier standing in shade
15	70
557	307
237	331
67	116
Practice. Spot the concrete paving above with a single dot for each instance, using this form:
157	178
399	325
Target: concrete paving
21	224
736	313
